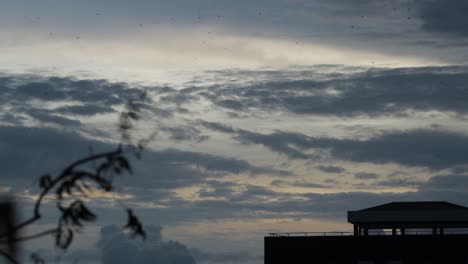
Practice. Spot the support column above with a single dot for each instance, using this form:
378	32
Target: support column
402	231
441	231
434	231
366	231
356	230
393	231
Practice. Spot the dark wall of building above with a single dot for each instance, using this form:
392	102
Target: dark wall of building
415	249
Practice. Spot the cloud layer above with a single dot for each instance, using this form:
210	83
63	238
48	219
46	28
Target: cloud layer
117	247
277	146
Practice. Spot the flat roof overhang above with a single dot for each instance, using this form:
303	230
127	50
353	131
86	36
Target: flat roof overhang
411	219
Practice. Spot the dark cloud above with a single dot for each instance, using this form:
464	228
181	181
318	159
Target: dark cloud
218	189
330	181
375	92
216	193
331	169
116	247
302	184
170	162
28	152
292	145
460	170
398	183
445	17
185	133
256	202
260	202
23	88
371	93
217	126
335	205
43	117
160	112
365	176
231	104
433	149
179	98
427	148
30	96
447	183
11	118
84	110
364	8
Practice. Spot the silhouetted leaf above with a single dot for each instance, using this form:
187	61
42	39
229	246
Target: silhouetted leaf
45	181
123	163
134	225
64	238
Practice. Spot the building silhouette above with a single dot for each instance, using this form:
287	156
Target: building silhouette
393	233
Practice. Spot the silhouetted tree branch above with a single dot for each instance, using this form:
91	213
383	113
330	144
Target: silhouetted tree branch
80	179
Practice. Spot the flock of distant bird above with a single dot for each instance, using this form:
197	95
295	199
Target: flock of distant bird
199	18
409	12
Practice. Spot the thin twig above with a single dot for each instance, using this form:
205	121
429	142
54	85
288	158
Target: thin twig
33	236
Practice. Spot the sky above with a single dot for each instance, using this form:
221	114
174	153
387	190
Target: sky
269	116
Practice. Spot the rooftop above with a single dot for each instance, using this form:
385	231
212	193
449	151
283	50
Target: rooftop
416	206
412	214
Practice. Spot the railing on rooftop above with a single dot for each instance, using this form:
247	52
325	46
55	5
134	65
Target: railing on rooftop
299	234
448	231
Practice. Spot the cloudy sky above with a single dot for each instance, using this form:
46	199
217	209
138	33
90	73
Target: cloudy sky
271	116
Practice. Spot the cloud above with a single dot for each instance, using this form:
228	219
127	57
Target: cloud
347	93
231	104
62	100
376	92
445	17
398	183
172	167
217	126
447	183
256	202
29	87
11	119
290	144
331	169
185	133
427	148
116	247
302	184
335	205
365	176
85	110
175	186
28	152
46	118
218	189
